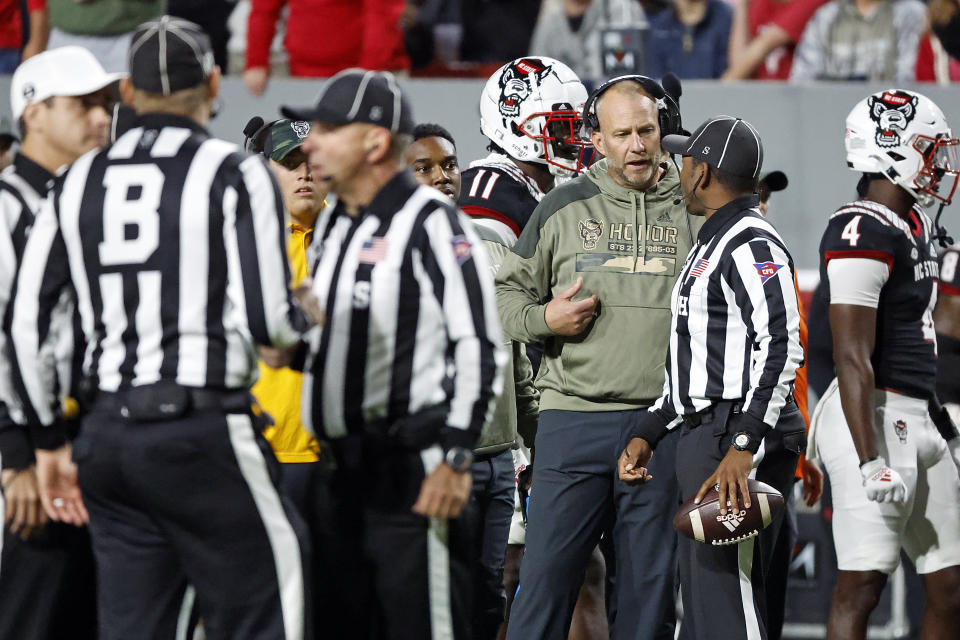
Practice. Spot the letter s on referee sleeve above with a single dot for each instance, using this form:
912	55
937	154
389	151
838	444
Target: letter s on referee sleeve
261	243
774	320
470	309
43	274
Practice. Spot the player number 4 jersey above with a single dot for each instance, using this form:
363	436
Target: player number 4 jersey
905	352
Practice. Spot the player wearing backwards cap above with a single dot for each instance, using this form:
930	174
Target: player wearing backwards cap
894	477
174	244
734	348
61	101
403	376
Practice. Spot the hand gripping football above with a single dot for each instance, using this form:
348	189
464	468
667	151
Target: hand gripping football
703	522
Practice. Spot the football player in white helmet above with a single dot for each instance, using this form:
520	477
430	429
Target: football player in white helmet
530	110
891	452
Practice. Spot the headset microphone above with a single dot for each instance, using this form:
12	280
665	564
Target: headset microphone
255	124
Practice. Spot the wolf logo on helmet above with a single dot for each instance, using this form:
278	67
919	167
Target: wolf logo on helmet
904	136
516	84
892	112
531	108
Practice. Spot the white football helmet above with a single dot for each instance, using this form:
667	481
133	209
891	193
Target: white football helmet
532	108
904	136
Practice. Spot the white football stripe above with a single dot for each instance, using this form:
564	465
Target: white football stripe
764	509
697	525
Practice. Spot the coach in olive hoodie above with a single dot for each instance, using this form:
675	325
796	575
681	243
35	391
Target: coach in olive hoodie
591	275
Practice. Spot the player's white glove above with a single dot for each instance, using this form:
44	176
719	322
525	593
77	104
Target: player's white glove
882	483
953	446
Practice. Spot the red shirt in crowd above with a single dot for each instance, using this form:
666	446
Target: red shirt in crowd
927	62
789	15
327	36
11	24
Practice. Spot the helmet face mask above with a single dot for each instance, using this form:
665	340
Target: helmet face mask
558	134
532	109
905	136
941	167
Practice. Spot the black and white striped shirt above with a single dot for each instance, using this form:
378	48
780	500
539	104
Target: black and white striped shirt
23	186
411	317
173	242
735	328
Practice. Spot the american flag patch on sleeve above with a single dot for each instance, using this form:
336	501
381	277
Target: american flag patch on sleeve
699	268
373	251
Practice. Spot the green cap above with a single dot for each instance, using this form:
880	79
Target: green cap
284	136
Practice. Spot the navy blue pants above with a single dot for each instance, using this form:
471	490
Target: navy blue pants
492	501
575	491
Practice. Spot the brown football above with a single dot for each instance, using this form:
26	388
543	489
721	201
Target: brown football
703	522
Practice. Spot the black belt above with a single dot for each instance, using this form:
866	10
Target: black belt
120	402
694	420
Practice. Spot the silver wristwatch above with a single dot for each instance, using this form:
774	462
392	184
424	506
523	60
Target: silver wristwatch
459	459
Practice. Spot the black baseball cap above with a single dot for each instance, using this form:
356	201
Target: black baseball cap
359	95
729	144
775	180
168	55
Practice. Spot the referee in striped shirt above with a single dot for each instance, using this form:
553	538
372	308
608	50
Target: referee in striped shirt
403	374
173	242
734	351
61	100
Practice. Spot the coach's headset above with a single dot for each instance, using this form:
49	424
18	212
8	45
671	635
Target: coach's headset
255	134
667	98
668	108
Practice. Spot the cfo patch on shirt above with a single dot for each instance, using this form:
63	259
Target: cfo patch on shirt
461	248
767	270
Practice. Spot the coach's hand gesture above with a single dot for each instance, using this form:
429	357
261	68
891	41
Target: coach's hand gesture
57	478
632	466
443	493
568	318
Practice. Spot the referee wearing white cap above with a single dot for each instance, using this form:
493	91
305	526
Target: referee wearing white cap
734	350
61	101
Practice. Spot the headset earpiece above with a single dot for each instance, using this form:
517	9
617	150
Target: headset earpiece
256	139
668	111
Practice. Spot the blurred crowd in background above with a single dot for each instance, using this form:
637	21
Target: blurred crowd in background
894	41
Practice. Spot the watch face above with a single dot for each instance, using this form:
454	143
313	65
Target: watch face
741	441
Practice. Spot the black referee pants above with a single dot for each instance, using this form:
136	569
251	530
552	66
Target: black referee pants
722	587
192	500
47	588
395	575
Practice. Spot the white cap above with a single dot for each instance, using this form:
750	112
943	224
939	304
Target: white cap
66	71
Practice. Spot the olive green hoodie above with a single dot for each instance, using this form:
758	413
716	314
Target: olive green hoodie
629	247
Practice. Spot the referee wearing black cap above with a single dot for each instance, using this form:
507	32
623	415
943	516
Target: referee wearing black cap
734	350
403	375
173	243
